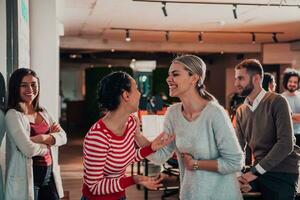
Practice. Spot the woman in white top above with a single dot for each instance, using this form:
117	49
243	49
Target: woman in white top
32	138
206	146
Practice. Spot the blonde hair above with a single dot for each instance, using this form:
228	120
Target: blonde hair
195	65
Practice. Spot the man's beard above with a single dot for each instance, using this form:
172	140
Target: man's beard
292	89
247	90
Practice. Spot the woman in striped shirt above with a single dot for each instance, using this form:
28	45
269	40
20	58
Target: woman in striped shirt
109	146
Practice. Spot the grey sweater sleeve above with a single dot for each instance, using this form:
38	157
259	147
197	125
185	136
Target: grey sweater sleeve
20	136
162	155
231	155
284	145
61	136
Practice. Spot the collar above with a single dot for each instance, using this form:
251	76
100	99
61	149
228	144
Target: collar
256	101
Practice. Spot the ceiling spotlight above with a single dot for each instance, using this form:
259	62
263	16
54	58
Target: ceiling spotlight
222	23
75	56
253	38
234	11
128	39
164	9
167	36
274	37
200	37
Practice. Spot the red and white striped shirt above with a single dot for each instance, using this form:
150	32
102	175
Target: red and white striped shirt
106	157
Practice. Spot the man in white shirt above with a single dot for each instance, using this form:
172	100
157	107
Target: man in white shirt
291	80
264	123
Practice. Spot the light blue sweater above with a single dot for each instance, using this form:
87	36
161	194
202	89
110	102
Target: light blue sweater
209	137
294	103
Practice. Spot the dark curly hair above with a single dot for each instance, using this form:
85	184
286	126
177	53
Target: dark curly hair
110	88
287	74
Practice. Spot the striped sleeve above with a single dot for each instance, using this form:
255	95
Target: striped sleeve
95	150
142	153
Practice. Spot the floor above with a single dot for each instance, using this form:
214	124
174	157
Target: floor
70	158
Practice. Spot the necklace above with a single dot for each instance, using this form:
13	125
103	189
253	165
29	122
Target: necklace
193	116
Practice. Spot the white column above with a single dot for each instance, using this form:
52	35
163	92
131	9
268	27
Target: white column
44	51
3	37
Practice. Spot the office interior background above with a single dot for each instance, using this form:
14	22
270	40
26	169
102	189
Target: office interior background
71	44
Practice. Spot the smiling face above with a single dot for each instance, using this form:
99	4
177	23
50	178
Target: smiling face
243	82
292	84
28	89
179	80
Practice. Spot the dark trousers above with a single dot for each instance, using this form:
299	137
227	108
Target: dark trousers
297	139
276	185
44	186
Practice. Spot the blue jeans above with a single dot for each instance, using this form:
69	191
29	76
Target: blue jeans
44	186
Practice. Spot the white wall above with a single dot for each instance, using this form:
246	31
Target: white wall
281	54
3	37
44	52
44	46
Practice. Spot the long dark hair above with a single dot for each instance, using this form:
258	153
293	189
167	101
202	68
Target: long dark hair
14	84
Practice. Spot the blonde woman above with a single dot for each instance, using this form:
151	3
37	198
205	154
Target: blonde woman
208	151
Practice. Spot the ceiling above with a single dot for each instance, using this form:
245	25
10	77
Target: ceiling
88	25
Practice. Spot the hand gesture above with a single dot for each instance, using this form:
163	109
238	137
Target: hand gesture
152	183
244	185
43	139
188	161
162	140
244	181
248	177
55	127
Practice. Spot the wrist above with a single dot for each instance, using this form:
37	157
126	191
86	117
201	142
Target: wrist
49	139
254	171
196	165
152	145
53	140
136	179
